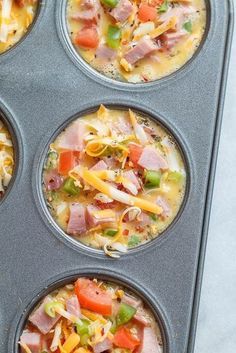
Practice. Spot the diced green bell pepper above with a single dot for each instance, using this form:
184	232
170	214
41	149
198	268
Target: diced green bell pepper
110	3
152	179
133	241
113	37
163	7
154	217
110	232
125	314
188	26
174	176
70	188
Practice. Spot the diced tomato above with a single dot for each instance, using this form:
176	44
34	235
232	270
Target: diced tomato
124	339
87	37
93	297
135	152
126	232
147	13
67	161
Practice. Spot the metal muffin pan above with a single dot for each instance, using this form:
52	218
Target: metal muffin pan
40	88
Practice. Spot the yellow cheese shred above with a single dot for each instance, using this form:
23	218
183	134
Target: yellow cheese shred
169	24
118	195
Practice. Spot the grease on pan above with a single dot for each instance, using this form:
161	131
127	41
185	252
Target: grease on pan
114	180
91	316
15	18
136	41
6	158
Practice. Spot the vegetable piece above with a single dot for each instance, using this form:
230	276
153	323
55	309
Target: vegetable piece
71	342
82	327
113	37
93	297
113	328
125	314
70	188
50	307
164	7
135	152
66	162
147	13
134	240
174	176
110	3
124	339
154	217
84	340
152	179
188	26
51	160
87	37
110	232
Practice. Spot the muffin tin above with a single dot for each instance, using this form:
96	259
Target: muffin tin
41	90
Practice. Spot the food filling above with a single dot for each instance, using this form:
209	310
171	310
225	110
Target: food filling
136	41
6	158
114	179
15	18
91	316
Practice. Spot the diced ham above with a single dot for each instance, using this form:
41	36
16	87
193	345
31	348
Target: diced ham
105	53
170	39
130	175
122	127
85	15
111	162
89	11
41	320
150	159
77	220
164	205
90	4
103	346
150	343
32	341
73	306
135	302
52	180
73	137
144	219
122	11
144	47
94	220
141	317
101	165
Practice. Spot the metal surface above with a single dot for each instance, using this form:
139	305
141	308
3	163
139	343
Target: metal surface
41	88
